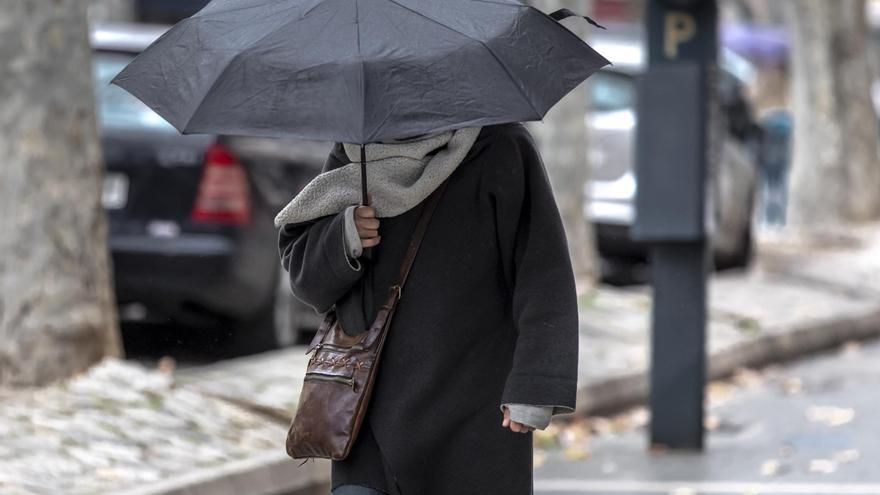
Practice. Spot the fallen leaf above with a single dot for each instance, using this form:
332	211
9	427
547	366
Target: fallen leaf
539	457
602	426
576	452
640	417
845	456
823	466
830	415
629	421
711	422
546	438
719	391
850	348
770	467
745	377
658	448
792	386
575	433
166	365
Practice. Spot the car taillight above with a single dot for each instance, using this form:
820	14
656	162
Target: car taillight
224	194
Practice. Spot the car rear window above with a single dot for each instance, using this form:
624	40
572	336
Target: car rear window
117	109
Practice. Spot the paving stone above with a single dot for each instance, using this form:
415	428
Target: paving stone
120	425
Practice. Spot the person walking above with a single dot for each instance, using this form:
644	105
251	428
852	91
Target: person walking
483	348
484	341
775	159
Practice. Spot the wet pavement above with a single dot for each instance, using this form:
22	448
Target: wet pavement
808	428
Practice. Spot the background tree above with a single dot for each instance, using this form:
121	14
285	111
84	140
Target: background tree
57	310
836	172
111	10
563	141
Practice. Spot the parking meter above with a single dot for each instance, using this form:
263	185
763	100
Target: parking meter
672	163
673	106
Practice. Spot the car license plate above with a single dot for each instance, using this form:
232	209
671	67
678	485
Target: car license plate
115	194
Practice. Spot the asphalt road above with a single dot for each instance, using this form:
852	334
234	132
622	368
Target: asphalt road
808	428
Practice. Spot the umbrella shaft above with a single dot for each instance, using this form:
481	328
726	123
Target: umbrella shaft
368	252
364	199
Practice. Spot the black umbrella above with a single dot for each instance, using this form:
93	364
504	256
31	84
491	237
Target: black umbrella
358	71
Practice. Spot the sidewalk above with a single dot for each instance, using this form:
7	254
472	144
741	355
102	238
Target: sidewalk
122	429
802	295
807	428
219	429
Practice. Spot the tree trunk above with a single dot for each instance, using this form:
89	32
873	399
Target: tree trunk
836	172
111	11
563	138
57	310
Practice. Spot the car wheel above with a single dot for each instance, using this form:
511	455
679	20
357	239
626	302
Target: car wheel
744	252
622	271
274	327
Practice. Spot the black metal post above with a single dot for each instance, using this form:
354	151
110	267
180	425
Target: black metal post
678	340
673	139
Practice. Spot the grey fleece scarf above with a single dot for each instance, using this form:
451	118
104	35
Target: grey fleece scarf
400	174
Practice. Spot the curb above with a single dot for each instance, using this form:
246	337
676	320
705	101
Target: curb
271	474
630	389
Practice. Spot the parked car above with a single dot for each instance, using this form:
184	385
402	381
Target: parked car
612	122
166	11
190	217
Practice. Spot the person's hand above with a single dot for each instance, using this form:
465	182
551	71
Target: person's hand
513	425
367	225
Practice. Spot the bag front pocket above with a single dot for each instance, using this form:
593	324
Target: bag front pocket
330	377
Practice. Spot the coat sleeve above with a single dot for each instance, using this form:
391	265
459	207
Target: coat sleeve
317	256
535	260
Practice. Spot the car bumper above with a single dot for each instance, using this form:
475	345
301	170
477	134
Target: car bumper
188	275
614	240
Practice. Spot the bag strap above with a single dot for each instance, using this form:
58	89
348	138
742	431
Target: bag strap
367	338
417	236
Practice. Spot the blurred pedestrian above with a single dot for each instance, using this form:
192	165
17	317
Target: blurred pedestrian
775	158
483	347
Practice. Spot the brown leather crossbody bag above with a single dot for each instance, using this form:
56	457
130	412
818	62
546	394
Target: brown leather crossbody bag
340	374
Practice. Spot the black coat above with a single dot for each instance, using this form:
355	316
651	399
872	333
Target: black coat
488	316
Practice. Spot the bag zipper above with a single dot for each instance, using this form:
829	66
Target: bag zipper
315	375
356	347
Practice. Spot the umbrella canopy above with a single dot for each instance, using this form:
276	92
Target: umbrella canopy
762	44
358	71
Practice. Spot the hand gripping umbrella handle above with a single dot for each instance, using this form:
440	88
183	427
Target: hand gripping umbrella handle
565	13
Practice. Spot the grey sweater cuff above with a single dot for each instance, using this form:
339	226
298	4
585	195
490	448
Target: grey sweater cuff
351	238
535	416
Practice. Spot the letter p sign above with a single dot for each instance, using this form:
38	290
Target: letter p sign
679	28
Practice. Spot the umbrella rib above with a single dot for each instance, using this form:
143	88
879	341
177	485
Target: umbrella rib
545	16
313	7
484	45
499	2
230	62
